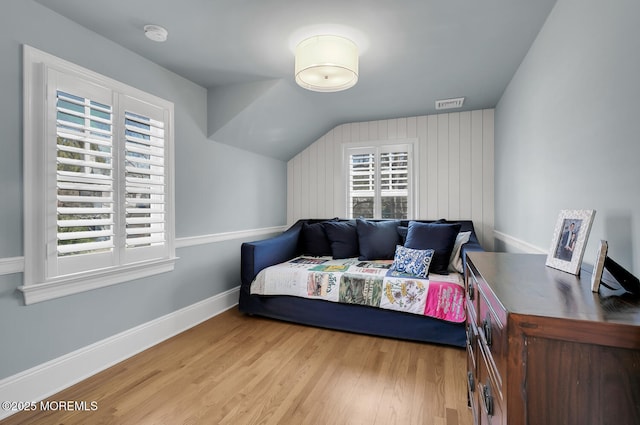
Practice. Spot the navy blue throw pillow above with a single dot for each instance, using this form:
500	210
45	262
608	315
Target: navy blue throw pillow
343	237
377	239
402	232
313	240
440	237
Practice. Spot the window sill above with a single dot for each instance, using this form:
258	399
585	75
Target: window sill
74	284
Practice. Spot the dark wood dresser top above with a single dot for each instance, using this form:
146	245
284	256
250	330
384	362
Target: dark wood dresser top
544	350
524	285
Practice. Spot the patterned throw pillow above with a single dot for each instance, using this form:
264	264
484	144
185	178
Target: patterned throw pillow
414	262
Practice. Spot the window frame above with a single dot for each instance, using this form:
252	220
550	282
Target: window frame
378	147
42	280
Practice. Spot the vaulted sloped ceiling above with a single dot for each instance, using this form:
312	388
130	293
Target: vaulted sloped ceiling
413	52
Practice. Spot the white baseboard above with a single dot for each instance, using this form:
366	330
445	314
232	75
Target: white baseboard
518	244
44	380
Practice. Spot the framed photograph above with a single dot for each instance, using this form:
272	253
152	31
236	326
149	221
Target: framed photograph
598	266
569	240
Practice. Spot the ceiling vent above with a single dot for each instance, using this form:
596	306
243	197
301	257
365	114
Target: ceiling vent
449	103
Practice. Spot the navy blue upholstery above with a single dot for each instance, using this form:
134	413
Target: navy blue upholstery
258	255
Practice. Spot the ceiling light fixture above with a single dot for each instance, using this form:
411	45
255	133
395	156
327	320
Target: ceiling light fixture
326	63
156	33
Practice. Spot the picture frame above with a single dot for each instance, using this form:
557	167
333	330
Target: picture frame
598	266
569	240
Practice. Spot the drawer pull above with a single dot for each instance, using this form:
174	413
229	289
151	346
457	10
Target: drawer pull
486	328
469	337
487	399
471	381
470	292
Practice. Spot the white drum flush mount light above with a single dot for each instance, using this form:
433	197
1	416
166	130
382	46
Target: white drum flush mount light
326	63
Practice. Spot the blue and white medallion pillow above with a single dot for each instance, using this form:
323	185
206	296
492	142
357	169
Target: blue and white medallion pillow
414	262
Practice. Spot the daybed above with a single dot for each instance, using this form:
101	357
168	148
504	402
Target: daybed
327	245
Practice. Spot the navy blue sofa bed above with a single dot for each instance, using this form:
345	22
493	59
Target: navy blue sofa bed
258	255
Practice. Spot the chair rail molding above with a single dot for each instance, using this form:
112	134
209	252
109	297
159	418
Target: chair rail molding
518	244
11	265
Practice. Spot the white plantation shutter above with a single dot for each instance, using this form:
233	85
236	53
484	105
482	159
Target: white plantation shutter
362	183
98	180
394	173
84	177
144	158
379	181
362	172
394	182
81	201
145	180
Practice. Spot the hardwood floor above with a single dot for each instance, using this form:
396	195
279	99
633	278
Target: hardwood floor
234	369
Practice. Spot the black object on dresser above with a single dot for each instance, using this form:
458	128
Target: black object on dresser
543	349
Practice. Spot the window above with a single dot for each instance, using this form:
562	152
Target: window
379	181
98	180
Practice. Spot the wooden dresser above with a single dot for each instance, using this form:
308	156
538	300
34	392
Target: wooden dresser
543	349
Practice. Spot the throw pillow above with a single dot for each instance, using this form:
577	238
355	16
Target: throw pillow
377	239
343	237
413	262
437	236
455	261
313	240
402	231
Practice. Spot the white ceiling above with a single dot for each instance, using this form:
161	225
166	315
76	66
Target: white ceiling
413	52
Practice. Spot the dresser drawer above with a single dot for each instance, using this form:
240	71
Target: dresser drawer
493	335
472	343
472	368
490	404
471	289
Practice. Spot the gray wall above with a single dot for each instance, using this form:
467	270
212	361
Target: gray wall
218	189
568	129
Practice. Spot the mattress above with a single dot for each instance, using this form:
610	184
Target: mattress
370	283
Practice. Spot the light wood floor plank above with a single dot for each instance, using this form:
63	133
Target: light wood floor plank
236	370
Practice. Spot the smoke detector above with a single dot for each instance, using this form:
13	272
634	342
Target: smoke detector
449	103
156	33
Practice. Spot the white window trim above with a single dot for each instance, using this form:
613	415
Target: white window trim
37	287
414	155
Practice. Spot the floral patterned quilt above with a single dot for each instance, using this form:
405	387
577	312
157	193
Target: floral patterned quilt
370	283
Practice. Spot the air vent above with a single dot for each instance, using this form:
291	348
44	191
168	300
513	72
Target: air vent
449	103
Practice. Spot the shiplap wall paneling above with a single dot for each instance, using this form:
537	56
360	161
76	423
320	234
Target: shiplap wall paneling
429	198
290	186
488	156
444	176
321	170
465	165
477	172
422	176
453	145
454	175
338	171
313	182
332	176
